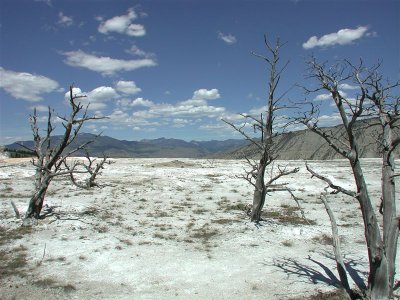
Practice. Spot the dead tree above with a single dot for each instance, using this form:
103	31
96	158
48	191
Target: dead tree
265	126
51	154
92	167
374	104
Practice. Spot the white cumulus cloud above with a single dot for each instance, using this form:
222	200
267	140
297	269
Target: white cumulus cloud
127	87
322	97
328	96
48	2
342	37
195	107
346	86
179	123
104	64
146	114
206	94
142	102
123	24
40	108
227	38
64	20
136	51
102	93
26	86
96	98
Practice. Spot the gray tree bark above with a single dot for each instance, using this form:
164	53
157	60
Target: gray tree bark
260	192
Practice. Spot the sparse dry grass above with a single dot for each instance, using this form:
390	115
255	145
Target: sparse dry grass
200	211
287	243
126	242
101	228
13	261
13	234
204	234
213	175
15	195
320	295
287	215
55	259
323	239
159	214
53	284
206	187
224	221
227	206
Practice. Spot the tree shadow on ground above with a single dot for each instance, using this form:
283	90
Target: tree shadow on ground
51	211
313	274
317	272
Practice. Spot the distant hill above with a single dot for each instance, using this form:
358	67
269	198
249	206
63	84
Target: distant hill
305	144
302	144
162	147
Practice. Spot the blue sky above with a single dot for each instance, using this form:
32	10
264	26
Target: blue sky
169	68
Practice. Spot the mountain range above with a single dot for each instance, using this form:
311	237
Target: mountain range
302	144
161	147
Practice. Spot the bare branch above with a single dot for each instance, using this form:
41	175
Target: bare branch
241	131
281	173
331	184
328	138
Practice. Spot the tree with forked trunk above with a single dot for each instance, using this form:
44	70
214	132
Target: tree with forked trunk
373	104
92	167
264	125
50	155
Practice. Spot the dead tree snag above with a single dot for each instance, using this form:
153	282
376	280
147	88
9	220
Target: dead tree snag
51	155
92	167
374	104
264	125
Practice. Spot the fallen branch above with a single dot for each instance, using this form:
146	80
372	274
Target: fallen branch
44	253
17	214
337	247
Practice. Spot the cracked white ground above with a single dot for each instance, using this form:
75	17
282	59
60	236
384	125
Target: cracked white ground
166	228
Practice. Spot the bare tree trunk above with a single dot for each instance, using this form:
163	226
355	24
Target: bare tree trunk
259	194
390	219
378	280
36	202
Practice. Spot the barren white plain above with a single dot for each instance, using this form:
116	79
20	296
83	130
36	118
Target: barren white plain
167	228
